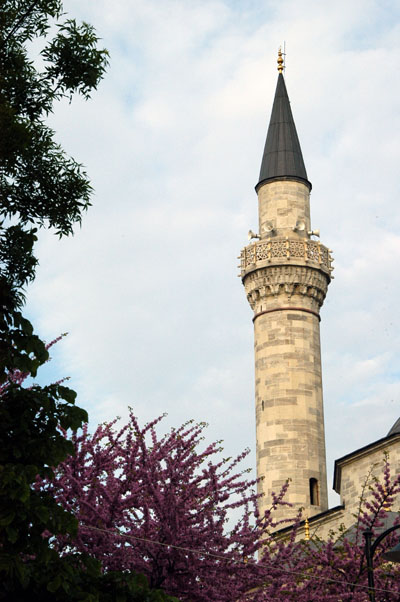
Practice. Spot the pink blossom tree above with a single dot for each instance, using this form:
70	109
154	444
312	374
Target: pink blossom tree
160	506
335	570
31	567
164	507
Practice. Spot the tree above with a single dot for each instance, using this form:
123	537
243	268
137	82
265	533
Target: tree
189	521
332	570
45	573
160	506
40	186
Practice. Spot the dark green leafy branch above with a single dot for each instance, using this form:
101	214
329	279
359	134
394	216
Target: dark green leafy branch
40	187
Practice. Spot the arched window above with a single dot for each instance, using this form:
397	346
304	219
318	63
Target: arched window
314	492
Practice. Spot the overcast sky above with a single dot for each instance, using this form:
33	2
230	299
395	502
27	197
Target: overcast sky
172	141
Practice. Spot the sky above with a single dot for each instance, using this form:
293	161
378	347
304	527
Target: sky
172	140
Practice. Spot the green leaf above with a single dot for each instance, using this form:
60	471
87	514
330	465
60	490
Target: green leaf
12	534
42	513
54	585
6	519
66	393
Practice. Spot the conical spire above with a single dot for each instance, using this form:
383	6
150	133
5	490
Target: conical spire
282	156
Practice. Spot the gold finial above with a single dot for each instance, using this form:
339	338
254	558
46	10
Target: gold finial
306	529
280	60
386	504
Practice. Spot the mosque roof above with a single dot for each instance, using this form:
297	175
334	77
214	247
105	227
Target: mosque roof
395	428
282	156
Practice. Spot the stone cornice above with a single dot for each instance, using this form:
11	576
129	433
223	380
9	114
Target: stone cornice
289	308
286	281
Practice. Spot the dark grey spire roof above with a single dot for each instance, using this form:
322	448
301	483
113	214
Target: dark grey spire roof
282	153
395	428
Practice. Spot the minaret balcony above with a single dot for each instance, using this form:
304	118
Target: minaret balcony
281	251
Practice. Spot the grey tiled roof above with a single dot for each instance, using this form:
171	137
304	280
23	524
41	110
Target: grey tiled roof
282	153
395	428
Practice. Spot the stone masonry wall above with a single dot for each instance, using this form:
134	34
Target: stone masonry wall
289	409
284	203
361	469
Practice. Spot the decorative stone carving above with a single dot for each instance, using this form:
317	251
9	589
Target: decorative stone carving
288	280
274	251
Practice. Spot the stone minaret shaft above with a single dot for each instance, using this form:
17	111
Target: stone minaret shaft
286	274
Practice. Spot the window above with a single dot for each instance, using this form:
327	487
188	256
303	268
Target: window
314	492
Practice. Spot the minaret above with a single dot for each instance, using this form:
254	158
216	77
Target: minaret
286	273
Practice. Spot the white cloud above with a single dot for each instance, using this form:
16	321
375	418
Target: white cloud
172	142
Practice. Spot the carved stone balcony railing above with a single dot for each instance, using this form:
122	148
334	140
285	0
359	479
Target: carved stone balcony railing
284	250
